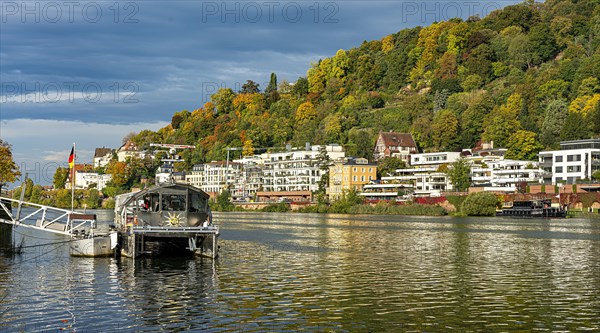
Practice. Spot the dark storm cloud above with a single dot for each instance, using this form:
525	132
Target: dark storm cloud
168	56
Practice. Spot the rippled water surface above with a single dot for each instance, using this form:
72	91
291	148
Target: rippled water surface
321	273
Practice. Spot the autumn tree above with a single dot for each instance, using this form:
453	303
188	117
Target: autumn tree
248	148
305	112
118	171
523	145
9	171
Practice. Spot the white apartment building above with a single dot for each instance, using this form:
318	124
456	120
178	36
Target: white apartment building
214	177
425	176
250	182
575	160
295	170
424	180
505	173
433	158
84	180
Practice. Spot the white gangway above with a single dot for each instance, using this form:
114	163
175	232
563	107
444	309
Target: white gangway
46	218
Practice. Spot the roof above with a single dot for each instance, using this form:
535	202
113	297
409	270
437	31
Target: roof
168	188
101	152
398	139
353	161
129	146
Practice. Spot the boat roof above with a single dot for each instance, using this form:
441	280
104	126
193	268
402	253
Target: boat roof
165	188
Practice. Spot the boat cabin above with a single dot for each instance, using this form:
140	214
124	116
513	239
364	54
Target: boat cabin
163	205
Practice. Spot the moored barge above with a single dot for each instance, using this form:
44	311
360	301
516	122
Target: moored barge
542	208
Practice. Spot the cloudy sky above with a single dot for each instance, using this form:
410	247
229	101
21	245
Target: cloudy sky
92	71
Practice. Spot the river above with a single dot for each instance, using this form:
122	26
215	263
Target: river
321	273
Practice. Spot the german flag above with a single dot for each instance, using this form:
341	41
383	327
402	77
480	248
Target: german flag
72	158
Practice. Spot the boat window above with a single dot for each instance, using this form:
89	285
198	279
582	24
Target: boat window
197	203
173	202
154	202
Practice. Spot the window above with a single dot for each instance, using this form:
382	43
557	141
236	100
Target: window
558	169
558	159
362	178
370	170
573	158
354	178
354	169
574	168
363	170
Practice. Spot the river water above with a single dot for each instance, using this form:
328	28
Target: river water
321	273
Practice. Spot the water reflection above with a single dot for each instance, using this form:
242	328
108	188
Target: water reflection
308	273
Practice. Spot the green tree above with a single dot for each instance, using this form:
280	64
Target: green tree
479	204
360	143
300	88
223	202
553	89
594	119
388	165
63	198
9	172
272	87
554	120
575	127
323	162
333	127
523	145
92	199
459	174
36	193
472	82
504	121
223	100
250	87
60	177
588	87
445	125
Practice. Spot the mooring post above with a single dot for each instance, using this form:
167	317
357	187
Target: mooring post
214	246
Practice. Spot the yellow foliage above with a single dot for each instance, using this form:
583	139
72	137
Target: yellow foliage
584	104
305	112
387	44
248	149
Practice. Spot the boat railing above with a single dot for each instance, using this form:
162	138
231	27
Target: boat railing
147	229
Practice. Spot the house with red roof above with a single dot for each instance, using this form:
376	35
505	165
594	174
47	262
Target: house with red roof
393	144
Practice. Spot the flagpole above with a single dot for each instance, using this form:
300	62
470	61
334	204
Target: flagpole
73	180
